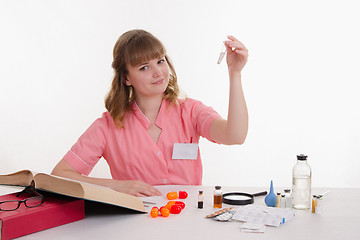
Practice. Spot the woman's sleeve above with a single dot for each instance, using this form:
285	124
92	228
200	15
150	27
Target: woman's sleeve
203	116
89	148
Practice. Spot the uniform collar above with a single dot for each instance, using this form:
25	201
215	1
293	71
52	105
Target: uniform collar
144	121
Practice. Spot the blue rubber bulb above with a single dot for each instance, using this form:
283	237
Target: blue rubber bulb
270	199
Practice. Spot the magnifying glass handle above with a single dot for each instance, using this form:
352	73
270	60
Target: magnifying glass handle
260	194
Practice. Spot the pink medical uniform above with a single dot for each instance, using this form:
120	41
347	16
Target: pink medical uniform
132	154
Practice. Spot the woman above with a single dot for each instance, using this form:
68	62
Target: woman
149	135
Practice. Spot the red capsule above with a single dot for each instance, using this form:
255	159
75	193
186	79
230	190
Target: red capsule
183	194
178	203
175	209
175	195
181	204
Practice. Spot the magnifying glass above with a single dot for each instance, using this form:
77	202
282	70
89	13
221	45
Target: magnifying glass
239	198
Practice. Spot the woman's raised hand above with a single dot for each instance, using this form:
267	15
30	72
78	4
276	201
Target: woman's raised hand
237	55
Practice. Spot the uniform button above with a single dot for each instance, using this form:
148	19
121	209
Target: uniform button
159	152
164	180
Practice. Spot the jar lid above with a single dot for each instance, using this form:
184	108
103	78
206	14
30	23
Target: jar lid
301	157
217	187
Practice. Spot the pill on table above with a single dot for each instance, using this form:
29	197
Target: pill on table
178	203
183	194
164	212
175	209
172	195
154	212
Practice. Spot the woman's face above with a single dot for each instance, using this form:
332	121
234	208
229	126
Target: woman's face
149	78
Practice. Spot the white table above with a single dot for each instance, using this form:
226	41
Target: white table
340	220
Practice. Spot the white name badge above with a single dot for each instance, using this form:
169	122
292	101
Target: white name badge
185	151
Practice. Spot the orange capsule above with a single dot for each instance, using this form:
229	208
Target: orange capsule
169	204
154	212
172	195
164	212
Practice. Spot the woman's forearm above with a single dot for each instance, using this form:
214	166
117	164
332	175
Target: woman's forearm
237	122
133	187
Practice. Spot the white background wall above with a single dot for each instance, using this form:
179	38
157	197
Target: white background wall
301	81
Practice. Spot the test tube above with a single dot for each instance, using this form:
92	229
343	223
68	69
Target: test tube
222	54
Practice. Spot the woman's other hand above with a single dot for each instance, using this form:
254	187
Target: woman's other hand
135	188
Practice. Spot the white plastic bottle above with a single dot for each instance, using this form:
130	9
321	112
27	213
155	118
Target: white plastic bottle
287	198
301	183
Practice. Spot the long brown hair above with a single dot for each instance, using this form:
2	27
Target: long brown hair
134	47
